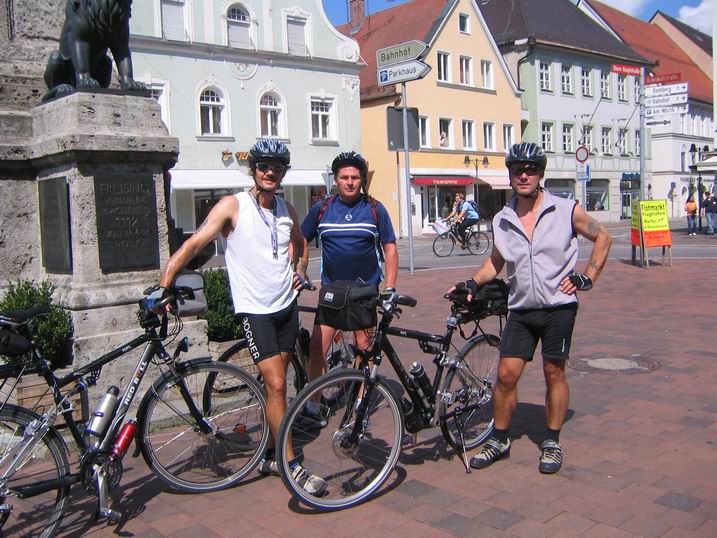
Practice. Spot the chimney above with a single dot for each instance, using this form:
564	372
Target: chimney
357	14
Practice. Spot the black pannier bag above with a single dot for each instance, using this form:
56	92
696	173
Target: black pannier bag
348	305
491	299
13	344
191	285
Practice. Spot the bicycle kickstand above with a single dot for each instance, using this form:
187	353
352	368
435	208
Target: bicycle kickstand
459	423
103	508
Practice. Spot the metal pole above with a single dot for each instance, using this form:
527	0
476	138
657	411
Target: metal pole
643	145
406	163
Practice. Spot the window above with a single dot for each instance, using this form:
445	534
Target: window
238	26
445	133
622	88
489	136
587	139
566	79
637	143
508	139
296	36
486	74
567	137
546	83
586	81
464	23
605	85
444	61
546	136
565	188
605	141
424	132
622	141
597	195
270	115
466	70
158	93
173	27
321	124
211	112
467	131
637	90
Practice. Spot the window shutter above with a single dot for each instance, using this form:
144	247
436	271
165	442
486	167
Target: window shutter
238	35
173	20
296	35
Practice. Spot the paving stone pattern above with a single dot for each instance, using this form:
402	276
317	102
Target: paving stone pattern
640	449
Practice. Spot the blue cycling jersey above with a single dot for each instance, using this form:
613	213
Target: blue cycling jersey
470	212
348	236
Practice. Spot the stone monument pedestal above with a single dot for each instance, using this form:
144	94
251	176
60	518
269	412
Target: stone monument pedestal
82	177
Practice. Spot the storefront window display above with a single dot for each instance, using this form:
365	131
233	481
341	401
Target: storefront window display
565	188
440	201
598	195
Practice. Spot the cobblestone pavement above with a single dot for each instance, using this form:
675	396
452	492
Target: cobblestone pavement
640	449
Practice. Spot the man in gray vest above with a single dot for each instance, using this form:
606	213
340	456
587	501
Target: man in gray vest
535	238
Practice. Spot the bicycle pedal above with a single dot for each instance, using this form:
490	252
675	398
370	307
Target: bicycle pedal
112	516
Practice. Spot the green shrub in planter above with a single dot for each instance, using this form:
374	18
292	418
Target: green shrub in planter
221	325
53	332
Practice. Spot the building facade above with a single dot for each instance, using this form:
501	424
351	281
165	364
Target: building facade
227	73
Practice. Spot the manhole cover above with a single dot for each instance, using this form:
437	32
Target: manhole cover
614	364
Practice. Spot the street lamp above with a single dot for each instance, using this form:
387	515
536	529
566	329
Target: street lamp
467	161
694	153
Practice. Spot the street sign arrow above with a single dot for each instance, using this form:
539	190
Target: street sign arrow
404	72
403	52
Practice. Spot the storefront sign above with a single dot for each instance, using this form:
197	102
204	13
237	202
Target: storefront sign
650	216
443	180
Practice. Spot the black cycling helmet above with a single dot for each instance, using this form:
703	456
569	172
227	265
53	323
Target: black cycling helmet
350	158
526	152
269	148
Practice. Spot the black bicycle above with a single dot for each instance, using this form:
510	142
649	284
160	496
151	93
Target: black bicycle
356	452
477	242
201	426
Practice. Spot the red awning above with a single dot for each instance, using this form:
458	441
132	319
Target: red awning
443	180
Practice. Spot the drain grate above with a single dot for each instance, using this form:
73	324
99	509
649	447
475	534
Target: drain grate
611	363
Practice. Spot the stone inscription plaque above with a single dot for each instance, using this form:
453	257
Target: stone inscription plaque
127	231
55	225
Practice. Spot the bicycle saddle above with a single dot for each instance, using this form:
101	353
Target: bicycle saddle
18	317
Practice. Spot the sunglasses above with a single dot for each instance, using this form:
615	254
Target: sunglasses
529	170
276	168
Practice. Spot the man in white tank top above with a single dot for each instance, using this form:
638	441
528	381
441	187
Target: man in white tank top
260	228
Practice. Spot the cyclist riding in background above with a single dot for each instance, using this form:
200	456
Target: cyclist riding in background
260	228
464	215
535	237
355	233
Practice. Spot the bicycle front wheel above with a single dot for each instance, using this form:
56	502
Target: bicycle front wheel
340	355
41	514
443	245
203	426
478	243
355	453
466	412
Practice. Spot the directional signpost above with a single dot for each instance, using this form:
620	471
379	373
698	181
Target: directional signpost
666	99
400	64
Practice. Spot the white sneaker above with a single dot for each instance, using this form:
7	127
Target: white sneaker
310	483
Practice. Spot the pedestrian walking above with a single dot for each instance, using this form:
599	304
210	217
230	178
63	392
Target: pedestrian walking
709	207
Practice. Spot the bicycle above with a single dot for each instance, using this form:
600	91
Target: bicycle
195	429
477	242
356	452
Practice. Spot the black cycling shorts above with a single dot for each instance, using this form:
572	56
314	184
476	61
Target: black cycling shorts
552	326
270	334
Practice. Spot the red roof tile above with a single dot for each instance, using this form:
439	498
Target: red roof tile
654	44
413	20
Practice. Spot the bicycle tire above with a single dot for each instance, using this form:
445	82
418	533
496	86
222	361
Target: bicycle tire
238	354
42	514
478	243
469	384
231	402
443	245
352	473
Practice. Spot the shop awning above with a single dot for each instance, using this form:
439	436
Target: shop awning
496	183
443	180
196	179
708	165
298	178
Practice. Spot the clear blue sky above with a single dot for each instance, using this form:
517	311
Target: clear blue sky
643	9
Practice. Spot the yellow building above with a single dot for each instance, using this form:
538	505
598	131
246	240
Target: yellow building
469	106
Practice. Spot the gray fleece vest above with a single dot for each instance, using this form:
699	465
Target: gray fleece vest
536	268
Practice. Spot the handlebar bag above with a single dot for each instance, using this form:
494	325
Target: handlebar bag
348	305
191	300
13	344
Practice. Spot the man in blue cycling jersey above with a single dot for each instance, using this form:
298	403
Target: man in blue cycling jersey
466	216
354	231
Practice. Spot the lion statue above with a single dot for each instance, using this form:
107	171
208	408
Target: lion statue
92	27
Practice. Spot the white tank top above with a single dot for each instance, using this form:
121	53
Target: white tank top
260	283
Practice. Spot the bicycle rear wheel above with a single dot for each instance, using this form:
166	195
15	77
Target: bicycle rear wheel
443	245
173	418
353	454
467	394
478	243
39	515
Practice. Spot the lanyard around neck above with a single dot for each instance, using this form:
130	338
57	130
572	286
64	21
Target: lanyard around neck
272	226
